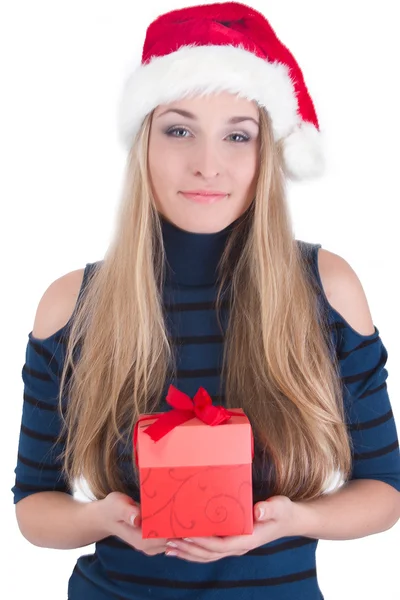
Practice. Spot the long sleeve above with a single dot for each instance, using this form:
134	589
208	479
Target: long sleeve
369	413
38	466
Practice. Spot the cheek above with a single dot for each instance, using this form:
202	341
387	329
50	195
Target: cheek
244	168
165	166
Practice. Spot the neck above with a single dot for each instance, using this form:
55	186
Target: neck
192	257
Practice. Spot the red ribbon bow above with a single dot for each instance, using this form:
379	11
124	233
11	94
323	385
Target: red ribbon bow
184	409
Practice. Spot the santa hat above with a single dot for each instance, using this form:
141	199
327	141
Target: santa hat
225	47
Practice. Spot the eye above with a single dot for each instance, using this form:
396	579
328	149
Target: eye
245	138
174	130
170	132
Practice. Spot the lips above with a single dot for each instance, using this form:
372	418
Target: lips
204	193
204	197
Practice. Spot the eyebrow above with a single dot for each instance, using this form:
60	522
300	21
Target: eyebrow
189	115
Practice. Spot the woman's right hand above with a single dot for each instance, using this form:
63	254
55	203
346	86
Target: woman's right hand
122	518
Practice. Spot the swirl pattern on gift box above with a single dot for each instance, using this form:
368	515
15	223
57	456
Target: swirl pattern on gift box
219	513
211	486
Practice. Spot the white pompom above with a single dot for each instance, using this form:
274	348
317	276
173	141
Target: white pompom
303	152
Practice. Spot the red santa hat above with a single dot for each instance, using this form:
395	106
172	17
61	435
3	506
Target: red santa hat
225	47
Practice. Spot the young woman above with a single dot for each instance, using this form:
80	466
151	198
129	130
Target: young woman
205	285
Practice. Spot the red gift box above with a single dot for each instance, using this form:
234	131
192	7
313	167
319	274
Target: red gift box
195	469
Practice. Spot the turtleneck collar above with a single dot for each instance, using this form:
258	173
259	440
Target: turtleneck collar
193	257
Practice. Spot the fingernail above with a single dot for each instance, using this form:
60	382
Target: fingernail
260	513
172	544
133	520
188	540
171	553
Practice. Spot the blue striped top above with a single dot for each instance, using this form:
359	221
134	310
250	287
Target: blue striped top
281	570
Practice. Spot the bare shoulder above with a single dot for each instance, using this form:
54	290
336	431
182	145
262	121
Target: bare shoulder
57	304
344	291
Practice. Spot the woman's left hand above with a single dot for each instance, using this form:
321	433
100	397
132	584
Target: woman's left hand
274	518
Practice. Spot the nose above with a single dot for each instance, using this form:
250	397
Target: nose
205	159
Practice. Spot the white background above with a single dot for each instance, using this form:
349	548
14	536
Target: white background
62	67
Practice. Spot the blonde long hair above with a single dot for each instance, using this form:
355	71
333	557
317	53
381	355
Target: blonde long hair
278	363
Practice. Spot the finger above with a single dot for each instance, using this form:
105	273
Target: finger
220	545
132	516
260	511
274	508
126	508
133	536
135	520
199	550
191	552
270	509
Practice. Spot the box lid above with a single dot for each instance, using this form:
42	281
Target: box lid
194	443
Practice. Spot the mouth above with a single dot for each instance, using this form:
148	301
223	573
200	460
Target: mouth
204	197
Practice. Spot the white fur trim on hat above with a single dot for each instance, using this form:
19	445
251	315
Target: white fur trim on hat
194	70
303	152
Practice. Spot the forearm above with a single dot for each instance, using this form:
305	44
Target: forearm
359	508
57	520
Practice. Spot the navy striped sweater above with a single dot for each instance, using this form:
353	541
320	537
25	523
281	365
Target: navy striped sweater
281	570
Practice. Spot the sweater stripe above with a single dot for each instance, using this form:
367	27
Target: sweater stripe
287	567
